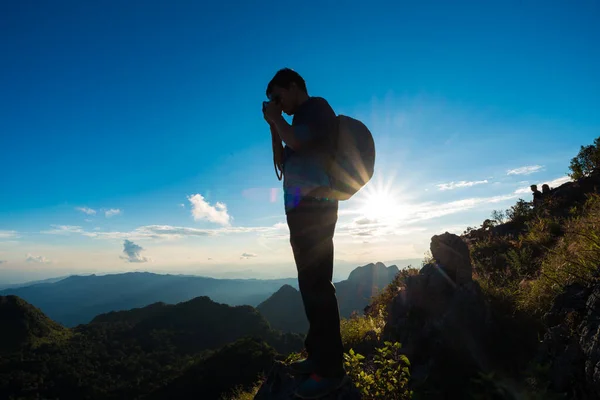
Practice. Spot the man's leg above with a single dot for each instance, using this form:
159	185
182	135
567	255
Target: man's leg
312	227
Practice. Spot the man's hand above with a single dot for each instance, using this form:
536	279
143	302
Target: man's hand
272	112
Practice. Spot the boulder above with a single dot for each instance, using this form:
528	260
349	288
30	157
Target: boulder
571	344
452	254
442	319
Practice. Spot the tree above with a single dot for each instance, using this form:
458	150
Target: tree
499	216
520	213
587	161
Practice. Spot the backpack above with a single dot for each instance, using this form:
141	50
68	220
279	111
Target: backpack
353	158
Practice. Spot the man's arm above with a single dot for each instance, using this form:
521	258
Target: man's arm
286	133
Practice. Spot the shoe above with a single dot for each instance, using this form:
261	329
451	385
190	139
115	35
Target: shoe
317	386
305	366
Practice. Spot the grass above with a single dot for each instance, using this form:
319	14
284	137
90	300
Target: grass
574	258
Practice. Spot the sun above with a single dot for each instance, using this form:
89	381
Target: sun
378	205
383	201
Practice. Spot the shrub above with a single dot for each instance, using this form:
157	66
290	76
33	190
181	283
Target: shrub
520	213
354	330
489	257
384	377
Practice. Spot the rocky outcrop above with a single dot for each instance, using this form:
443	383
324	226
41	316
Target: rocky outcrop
571	344
452	254
281	385
441	318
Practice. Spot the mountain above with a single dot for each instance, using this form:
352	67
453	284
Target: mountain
30	283
363	283
132	354
77	299
24	325
194	325
284	309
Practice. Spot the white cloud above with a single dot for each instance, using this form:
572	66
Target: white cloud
132	252
365	221
37	259
526	170
461	184
112	212
201	209
8	235
246	256
435	210
168	232
523	190
553	184
63	229
182	205
86	210
559	181
153	232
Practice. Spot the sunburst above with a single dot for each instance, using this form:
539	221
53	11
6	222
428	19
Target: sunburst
383	200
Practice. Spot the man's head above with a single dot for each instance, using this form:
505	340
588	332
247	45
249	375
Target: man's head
533	188
288	89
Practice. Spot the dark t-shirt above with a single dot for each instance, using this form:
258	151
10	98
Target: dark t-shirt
314	122
314	125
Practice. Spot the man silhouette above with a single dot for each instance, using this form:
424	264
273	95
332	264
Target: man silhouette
537	195
311	218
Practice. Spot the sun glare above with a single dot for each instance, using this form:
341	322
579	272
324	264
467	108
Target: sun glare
379	205
383	201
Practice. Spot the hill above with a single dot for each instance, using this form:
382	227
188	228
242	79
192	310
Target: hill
284	309
23	325
241	362
130	354
77	299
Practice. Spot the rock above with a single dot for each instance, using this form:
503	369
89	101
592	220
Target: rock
281	384
590	341
442	323
452	253
572	299
571	344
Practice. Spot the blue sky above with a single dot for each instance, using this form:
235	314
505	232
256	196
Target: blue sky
141	121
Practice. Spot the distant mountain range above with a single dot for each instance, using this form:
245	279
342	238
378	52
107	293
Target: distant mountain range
30	283
78	299
284	309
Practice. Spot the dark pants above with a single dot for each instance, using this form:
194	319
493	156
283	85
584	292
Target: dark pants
312	225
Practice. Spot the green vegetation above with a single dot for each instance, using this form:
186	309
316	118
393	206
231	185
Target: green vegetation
587	161
145	352
386	376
